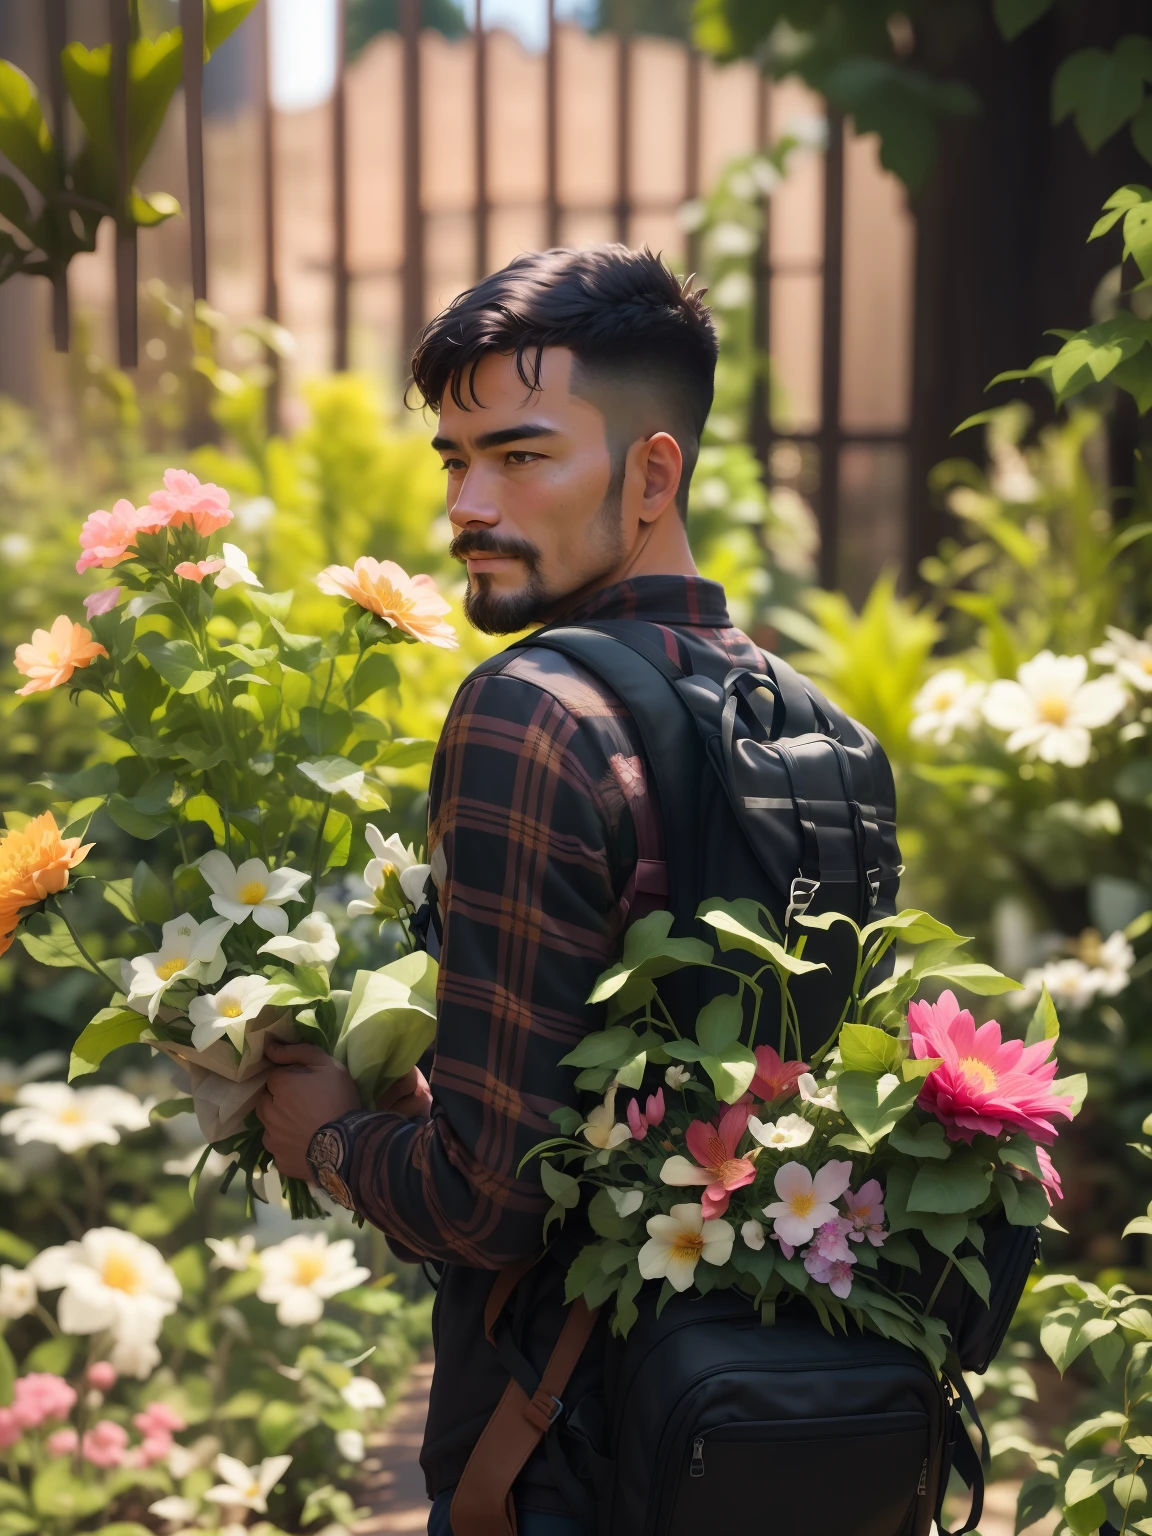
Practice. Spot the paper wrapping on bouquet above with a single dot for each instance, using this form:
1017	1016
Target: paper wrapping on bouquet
225	1088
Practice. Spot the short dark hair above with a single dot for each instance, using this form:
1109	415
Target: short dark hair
623	314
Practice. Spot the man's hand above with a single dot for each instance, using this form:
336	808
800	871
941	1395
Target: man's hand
304	1091
409	1096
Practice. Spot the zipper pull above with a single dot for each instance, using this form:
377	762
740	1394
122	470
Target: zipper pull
696	1468
922	1486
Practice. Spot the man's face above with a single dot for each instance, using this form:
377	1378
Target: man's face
533	493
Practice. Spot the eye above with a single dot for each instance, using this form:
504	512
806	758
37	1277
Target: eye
453	466
521	456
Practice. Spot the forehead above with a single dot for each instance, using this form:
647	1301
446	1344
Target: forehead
495	395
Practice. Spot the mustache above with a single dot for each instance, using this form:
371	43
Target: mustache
480	541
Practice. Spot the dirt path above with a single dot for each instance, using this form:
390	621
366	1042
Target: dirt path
393	1483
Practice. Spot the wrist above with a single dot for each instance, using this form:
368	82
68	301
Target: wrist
328	1156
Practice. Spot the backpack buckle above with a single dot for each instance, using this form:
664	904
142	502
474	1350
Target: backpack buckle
800	897
873	886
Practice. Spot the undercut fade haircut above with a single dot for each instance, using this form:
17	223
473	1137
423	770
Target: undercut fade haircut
625	316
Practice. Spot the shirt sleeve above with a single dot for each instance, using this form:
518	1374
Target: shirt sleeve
533	841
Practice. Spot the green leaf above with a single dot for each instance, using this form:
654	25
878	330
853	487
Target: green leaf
135	822
278	1425
153	899
1085	1519
864	1048
337	841
605	1222
648	953
203	808
7	1372
1035	1499
1089	1478
106	1032
914	927
1142	136
719	1022
57	1495
390	1022
376	670
983	980
1020	1152
18	1249
603	1048
731	1071
873	1116
1101	91
221	18
24	135
176	661
325	730
1074	1087
46	938
946	1189
735	934
1016	16
560	1186
405	752
1044	1023
926	1140
975	1274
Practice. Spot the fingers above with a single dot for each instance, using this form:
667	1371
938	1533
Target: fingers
285	1053
401	1089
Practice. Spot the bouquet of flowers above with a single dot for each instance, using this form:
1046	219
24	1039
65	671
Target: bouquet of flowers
244	753
733	1164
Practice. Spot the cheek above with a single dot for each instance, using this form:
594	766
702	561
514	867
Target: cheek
558	509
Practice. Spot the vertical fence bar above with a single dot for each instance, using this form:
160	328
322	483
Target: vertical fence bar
760	427
693	123
412	295
833	317
342	282
192	30
120	29
480	132
268	189
552	130
623	210
56	32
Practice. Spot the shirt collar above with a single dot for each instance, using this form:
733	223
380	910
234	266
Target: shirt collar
677	600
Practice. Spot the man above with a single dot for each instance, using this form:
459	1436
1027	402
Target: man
572	389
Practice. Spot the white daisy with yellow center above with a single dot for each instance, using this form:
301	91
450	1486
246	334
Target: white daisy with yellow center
73	1119
300	1274
395	871
948	702
189	951
1131	657
109	1281
247	1487
1051	709
679	1241
252	890
229	1011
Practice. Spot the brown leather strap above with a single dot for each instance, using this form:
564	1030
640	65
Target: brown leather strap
482	1504
500	1295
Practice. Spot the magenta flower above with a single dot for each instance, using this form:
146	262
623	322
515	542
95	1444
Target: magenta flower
716	1165
185	500
983	1083
836	1275
653	1113
866	1213
774	1078
829	1242
1050	1178
101	602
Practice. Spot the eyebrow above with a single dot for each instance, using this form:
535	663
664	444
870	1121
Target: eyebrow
498	439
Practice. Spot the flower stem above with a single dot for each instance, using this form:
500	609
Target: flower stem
88	960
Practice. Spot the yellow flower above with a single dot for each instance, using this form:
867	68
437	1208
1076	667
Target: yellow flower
53	655
410	603
34	863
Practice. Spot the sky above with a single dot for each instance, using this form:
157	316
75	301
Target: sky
304	41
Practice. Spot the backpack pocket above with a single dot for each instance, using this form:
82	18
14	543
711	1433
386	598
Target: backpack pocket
804	1477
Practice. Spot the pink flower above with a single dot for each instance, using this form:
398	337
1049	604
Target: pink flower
101	602
196	570
805	1202
1050	1178
836	1275
408	603
152	1448
158	1419
39	1396
829	1242
866	1213
105	1444
653	1114
983	1084
61	1442
716	1165
102	1375
785	1248
10	1429
185	500
108	537
774	1078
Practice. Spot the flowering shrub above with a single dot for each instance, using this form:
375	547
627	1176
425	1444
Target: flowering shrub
833	1178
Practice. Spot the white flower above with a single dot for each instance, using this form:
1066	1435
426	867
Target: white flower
1050	710
753	1234
247	1486
227	1012
626	1202
231	1252
1070	983
732	239
135	1355
1132	658
393	861
601	1128
303	1272
109	1280
677	1242
183	1459
13	1077
235	570
363	1394
788	1131
17	1292
73	1118
313	941
1011	479
733	291
948	702
175	1509
819	1098
1113	964
676	1077
253	890
805	1202
350	1444
189	951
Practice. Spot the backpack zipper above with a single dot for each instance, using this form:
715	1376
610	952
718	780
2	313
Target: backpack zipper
922	1485
696	1466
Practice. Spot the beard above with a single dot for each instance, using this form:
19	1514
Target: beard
536	602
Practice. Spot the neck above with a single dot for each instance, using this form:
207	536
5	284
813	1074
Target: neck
661	549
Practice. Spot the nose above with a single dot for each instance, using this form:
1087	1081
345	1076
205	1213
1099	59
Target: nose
475	505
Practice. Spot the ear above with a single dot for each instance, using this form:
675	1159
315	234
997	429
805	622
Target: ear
658	467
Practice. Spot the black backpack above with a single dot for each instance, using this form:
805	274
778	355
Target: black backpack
765	790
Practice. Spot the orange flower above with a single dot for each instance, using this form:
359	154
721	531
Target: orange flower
54	654
410	603
34	863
